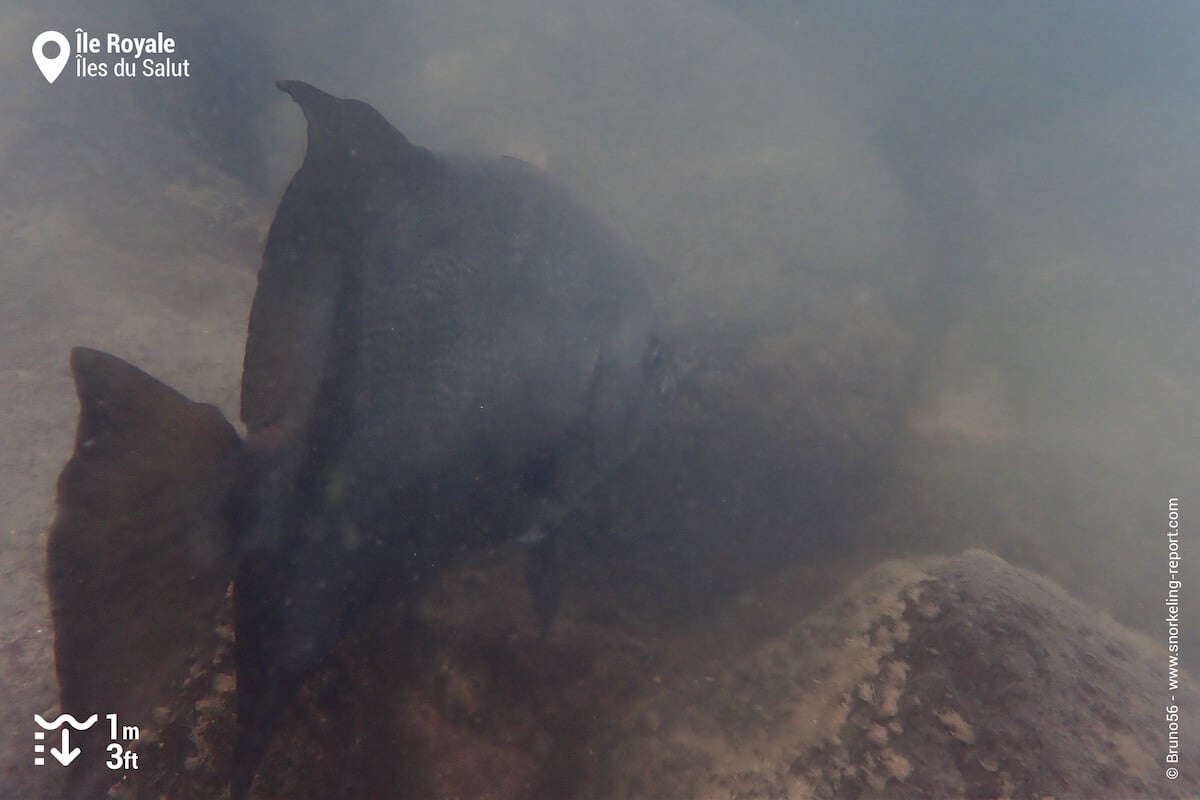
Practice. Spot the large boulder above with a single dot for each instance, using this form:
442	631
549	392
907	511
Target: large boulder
963	677
939	677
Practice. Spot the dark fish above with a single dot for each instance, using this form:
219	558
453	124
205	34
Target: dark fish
442	352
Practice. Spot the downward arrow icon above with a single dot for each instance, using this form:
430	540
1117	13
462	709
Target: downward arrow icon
66	755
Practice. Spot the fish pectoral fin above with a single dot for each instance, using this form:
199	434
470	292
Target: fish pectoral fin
543	576
139	556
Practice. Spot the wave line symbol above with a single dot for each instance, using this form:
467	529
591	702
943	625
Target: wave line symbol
74	723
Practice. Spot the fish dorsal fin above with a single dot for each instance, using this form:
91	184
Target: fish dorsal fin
139	555
311	247
350	131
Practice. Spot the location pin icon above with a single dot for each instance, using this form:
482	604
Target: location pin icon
51	67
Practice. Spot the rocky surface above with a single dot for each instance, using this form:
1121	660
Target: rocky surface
964	677
943	677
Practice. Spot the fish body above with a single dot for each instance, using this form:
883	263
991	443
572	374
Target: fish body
443	351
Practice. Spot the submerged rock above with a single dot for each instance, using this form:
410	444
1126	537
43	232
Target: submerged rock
927	678
963	677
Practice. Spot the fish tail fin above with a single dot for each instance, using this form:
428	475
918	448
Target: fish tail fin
139	557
